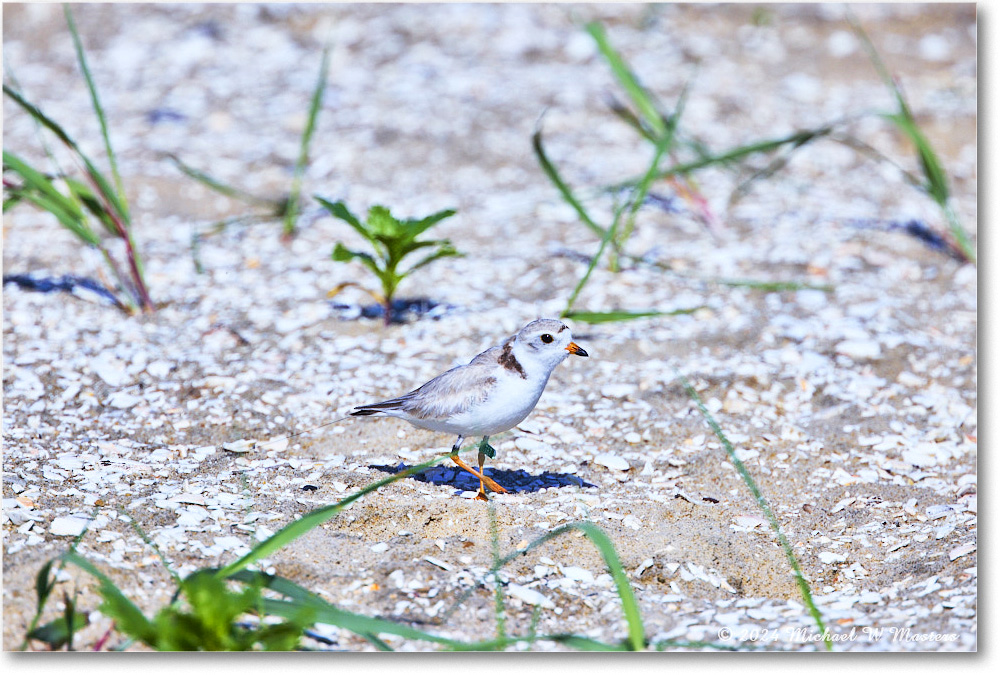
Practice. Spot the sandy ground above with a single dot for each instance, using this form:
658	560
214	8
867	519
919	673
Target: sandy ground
854	409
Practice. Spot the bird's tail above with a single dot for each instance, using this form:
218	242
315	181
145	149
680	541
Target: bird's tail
364	412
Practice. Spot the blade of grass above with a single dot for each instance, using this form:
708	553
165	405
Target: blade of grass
103	187
220	187
608	317
796	139
125	611
39	190
774	285
663	144
138	529
553	174
59	632
608	236
44	583
98	109
499	610
292	212
641	98
356	623
936	184
604	546
314	518
765	507
626	115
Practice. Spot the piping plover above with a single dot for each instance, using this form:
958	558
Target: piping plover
492	393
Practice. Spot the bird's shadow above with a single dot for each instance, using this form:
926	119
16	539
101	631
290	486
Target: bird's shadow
514	481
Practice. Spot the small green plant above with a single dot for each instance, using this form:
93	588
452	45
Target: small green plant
392	240
210	619
78	204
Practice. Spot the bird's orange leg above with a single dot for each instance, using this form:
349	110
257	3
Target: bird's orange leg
490	483
482	460
483	478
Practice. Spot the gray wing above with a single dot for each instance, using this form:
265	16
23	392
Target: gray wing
447	394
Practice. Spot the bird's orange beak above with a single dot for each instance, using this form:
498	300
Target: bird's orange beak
574	348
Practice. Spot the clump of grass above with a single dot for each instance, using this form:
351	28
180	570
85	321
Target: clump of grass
210	607
661	129
646	116
392	240
80	205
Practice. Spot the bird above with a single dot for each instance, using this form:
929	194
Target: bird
492	393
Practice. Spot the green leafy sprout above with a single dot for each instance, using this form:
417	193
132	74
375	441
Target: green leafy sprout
392	240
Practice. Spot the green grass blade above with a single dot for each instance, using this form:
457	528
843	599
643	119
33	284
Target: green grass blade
44	583
38	181
93	173
313	519
567	194
220	187
356	623
59	632
961	236
12	199
608	236
609	317
40	117
292	212
98	110
628	117
937	182
877	62
380	644
936	179
765	507
611	232
774	286
40	191
796	139
604	546
125	613
641	98
663	143
299	598
85	196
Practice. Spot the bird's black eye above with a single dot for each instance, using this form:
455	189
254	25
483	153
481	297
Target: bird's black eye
546	338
